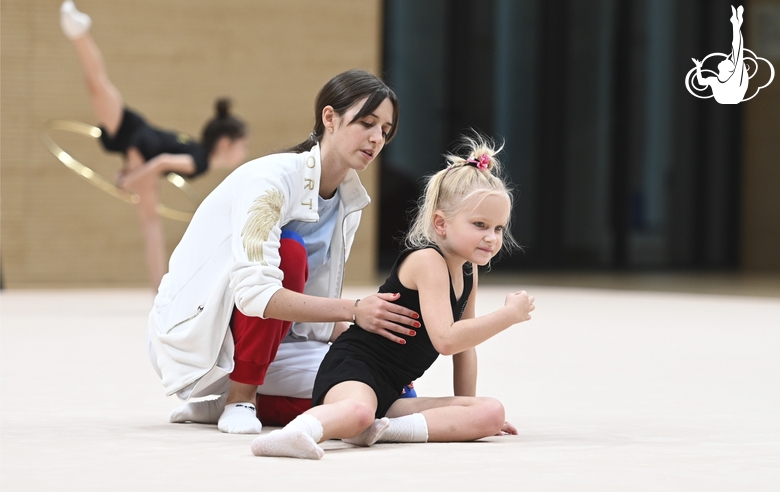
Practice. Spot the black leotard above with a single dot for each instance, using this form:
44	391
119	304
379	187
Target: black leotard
134	131
384	365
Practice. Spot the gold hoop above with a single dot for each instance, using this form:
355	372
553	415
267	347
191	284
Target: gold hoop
102	183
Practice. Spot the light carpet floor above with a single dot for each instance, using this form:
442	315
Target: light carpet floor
610	390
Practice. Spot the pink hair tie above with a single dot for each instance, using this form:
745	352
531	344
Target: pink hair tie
481	164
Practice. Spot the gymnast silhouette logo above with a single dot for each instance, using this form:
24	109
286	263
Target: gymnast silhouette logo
730	84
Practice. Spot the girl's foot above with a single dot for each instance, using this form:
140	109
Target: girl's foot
288	443
73	23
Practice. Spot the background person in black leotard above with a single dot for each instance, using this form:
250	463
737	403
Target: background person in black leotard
149	152
462	222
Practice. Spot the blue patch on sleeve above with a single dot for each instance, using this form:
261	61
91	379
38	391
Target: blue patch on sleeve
294	236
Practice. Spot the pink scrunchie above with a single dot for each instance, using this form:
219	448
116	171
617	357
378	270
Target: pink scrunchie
482	163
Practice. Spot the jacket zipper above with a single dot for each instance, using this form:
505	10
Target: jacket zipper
197	313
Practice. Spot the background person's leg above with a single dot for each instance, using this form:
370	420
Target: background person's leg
107	103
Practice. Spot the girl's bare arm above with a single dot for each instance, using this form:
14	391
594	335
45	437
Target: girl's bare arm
464	364
427	270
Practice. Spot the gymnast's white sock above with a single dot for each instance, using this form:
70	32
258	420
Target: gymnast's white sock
409	428
371	435
201	412
74	23
240	418
298	439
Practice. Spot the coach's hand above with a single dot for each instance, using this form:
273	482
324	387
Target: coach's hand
379	314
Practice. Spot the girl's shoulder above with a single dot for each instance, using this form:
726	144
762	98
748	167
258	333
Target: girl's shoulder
422	257
414	264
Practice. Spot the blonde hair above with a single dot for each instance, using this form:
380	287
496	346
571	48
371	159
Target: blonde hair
450	189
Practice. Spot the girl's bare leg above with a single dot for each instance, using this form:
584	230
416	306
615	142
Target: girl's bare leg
107	103
152	230
348	409
457	418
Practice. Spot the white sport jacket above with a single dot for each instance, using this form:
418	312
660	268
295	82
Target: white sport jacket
229	256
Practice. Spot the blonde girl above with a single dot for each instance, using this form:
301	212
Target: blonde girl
461	222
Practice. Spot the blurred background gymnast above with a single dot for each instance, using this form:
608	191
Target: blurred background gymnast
149	152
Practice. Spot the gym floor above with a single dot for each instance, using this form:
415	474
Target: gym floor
611	389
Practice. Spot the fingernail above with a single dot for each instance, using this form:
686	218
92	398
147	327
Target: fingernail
416	325
412	333
403	342
397	294
415	316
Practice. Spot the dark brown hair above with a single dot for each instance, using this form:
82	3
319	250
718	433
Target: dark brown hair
222	125
341	92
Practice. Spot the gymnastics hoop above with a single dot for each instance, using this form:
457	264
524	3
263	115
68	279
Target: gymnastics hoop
102	183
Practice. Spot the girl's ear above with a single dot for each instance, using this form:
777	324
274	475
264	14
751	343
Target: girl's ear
439	223
329	117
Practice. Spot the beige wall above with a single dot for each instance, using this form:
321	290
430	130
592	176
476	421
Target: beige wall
170	60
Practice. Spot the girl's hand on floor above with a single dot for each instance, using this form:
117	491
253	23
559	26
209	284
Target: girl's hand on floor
507	429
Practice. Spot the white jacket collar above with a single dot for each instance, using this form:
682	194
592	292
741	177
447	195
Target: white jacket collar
352	194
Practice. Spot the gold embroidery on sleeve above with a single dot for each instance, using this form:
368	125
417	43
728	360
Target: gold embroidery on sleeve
263	216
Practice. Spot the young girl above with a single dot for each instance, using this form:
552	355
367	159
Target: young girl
149	152
461	222
267	247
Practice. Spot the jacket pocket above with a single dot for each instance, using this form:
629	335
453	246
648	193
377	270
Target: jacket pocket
189	318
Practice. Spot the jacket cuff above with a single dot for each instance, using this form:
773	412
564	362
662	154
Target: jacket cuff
255	306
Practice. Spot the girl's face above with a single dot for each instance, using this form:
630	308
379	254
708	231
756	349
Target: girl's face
230	153
237	150
476	232
356	145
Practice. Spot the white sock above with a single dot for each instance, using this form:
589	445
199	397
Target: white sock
371	435
307	424
298	439
240	418
409	428
73	23
201	412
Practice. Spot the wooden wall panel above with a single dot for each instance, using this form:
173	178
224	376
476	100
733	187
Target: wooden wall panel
170	59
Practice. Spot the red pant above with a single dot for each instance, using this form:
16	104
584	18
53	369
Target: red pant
280	410
257	339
